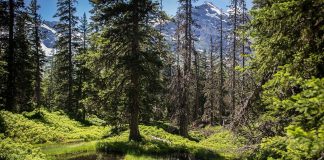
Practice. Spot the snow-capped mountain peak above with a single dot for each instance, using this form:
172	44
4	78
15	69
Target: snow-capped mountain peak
210	8
207	16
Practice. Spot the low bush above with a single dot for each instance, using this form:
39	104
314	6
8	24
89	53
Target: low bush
42	126
10	150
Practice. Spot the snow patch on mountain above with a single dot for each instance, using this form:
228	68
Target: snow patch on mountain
206	16
48	28
48	51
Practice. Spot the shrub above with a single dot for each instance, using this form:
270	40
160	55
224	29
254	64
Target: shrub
42	126
303	138
11	150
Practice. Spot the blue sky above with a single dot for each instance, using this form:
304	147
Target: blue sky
48	7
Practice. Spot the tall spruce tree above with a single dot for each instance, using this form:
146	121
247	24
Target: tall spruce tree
64	59
10	60
234	6
23	59
210	87
37	53
82	73
221	103
18	88
186	50
131	53
197	86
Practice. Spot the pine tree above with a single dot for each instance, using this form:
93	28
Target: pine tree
10	60
18	59
186	49
234	50
221	104
64	59
197	85
82	72
133	67
38	54
210	92
174	89
23	59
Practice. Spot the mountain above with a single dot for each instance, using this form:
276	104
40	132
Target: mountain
207	19
48	37
206	15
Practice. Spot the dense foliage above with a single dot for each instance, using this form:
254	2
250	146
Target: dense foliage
289	59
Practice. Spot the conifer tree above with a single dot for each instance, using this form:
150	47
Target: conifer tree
23	61
234	50
288	69
176	82
197	85
10	60
64	59
186	49
133	67
221	104
37	53
82	72
18	88
210	92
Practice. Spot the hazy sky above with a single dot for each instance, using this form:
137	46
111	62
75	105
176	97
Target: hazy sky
48	7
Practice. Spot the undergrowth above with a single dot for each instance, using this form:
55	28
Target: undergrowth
42	126
11	150
22	135
159	142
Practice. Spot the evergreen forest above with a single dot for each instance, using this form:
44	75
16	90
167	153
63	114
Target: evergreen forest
127	80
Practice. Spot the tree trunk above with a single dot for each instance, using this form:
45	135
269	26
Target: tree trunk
38	65
234	58
197	93
134	95
70	80
184	106
134	133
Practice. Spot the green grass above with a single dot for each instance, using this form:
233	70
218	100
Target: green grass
53	135
68	148
217	144
57	151
22	135
45	127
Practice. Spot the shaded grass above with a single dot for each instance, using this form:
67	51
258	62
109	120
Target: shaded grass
223	142
22	135
43	128
156	141
46	127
